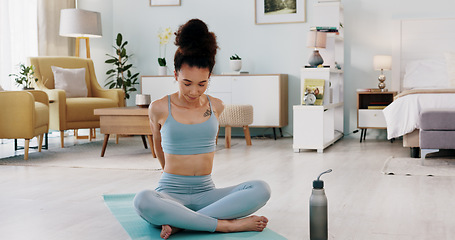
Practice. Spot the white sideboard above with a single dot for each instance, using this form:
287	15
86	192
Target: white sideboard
268	94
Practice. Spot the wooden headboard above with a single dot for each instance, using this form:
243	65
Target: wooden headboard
416	39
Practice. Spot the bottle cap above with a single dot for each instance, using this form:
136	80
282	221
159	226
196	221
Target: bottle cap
318	184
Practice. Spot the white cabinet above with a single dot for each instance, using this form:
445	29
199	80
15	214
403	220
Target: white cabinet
268	94
317	127
158	86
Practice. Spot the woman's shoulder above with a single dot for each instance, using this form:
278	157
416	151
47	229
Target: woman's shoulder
159	107
217	104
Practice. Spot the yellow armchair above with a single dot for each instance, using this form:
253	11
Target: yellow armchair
24	114
77	112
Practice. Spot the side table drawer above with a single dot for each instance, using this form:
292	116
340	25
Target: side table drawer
371	118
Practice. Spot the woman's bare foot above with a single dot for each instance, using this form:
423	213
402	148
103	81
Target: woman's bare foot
252	223
167	231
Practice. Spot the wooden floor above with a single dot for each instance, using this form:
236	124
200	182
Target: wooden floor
66	203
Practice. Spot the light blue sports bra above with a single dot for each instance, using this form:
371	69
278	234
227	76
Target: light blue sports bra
186	139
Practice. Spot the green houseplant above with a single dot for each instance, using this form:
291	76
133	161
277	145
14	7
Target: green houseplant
120	75
235	57
25	77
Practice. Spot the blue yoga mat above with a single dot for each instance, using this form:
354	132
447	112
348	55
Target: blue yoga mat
121	206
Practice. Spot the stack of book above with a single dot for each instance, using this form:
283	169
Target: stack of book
320	66
377	105
324	29
370	90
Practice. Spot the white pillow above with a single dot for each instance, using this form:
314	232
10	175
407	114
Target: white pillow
72	80
450	60
1	89
428	73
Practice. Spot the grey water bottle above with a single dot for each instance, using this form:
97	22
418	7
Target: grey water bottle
318	210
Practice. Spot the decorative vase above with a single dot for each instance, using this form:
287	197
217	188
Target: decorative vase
162	70
143	100
315	59
235	65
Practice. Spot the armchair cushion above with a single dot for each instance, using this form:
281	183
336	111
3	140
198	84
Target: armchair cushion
42	114
81	109
70	80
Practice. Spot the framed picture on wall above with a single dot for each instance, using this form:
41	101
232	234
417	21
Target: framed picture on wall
154	3
280	11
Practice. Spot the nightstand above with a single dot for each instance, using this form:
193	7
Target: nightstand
369	110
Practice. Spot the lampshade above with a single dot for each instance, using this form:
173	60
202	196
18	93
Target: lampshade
316	39
80	23
382	62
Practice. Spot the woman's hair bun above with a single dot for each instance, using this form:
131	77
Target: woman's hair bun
195	40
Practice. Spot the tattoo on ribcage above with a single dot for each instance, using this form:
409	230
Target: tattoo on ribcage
207	113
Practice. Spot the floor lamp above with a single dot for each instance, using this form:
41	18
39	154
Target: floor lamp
81	24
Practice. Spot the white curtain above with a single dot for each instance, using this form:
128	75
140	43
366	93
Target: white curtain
50	43
19	38
30	28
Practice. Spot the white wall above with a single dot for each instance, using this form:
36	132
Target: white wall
265	49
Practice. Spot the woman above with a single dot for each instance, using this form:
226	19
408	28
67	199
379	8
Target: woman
184	126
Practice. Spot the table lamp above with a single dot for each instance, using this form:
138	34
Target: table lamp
316	40
81	24
382	62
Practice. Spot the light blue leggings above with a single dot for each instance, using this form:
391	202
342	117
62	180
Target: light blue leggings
193	202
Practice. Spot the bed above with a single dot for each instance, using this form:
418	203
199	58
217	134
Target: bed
423	71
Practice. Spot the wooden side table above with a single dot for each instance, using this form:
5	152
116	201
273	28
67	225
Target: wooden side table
125	121
369	110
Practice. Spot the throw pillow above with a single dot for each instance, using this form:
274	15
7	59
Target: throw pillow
72	80
450	60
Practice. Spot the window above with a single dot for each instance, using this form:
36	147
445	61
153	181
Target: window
19	31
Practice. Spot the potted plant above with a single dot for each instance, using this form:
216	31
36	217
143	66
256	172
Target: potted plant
120	75
164	37
26	77
235	63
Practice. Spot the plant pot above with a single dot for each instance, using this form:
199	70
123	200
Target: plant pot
162	70
235	65
143	100
26	88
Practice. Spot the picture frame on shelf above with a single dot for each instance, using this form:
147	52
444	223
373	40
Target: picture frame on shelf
157	3
316	87
280	11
